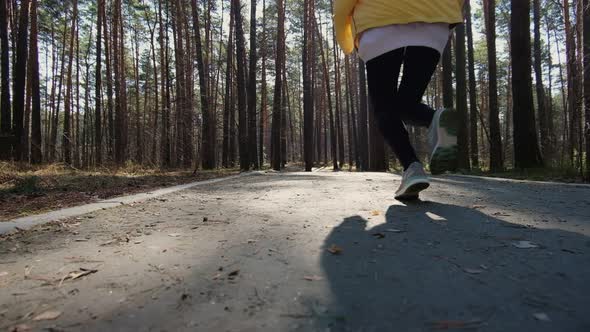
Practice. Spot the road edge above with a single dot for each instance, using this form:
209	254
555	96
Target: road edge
28	222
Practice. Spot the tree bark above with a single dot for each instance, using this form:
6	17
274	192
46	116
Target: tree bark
447	67
363	104
36	154
242	90
526	147
228	102
326	83
278	103
474	147
587	84
496	159
543	120
98	86
110	130
463	135
209	124
572	86
5	115
67	134
252	141
18	102
308	112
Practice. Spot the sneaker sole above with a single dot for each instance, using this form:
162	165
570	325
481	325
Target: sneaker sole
444	156
413	191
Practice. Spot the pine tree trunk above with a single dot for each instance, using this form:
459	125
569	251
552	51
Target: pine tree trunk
472	93
228	103
5	111
36	155
496	159
550	159
155	115
587	84
572	77
539	79
139	153
77	128
463	135
98	86
363	104
118	80
308	111
447	67
18	102
526	148
177	34
124	120
278	102
67	134
110	130
252	141
263	93
165	93
242	91
326	82
209	126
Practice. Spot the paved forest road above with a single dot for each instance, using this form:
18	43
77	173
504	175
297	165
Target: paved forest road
311	252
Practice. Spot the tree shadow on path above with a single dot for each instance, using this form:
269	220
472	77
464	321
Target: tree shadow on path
437	266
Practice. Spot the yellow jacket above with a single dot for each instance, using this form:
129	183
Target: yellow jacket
352	17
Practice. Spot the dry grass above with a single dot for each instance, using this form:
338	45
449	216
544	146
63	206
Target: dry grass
26	189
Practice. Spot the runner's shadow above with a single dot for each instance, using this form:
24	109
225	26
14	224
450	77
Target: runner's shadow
432	262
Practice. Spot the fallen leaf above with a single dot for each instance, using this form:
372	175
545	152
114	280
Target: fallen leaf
379	235
435	217
77	274
313	278
107	243
393	230
501	214
472	271
335	250
524	245
48	315
175	235
542	316
569	251
375	213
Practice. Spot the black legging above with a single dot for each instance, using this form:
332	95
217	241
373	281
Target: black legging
396	106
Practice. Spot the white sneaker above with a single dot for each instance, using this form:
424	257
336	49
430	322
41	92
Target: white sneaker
414	180
442	136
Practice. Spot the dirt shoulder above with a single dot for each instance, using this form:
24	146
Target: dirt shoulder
26	190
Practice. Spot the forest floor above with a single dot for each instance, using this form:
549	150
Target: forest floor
26	189
319	251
